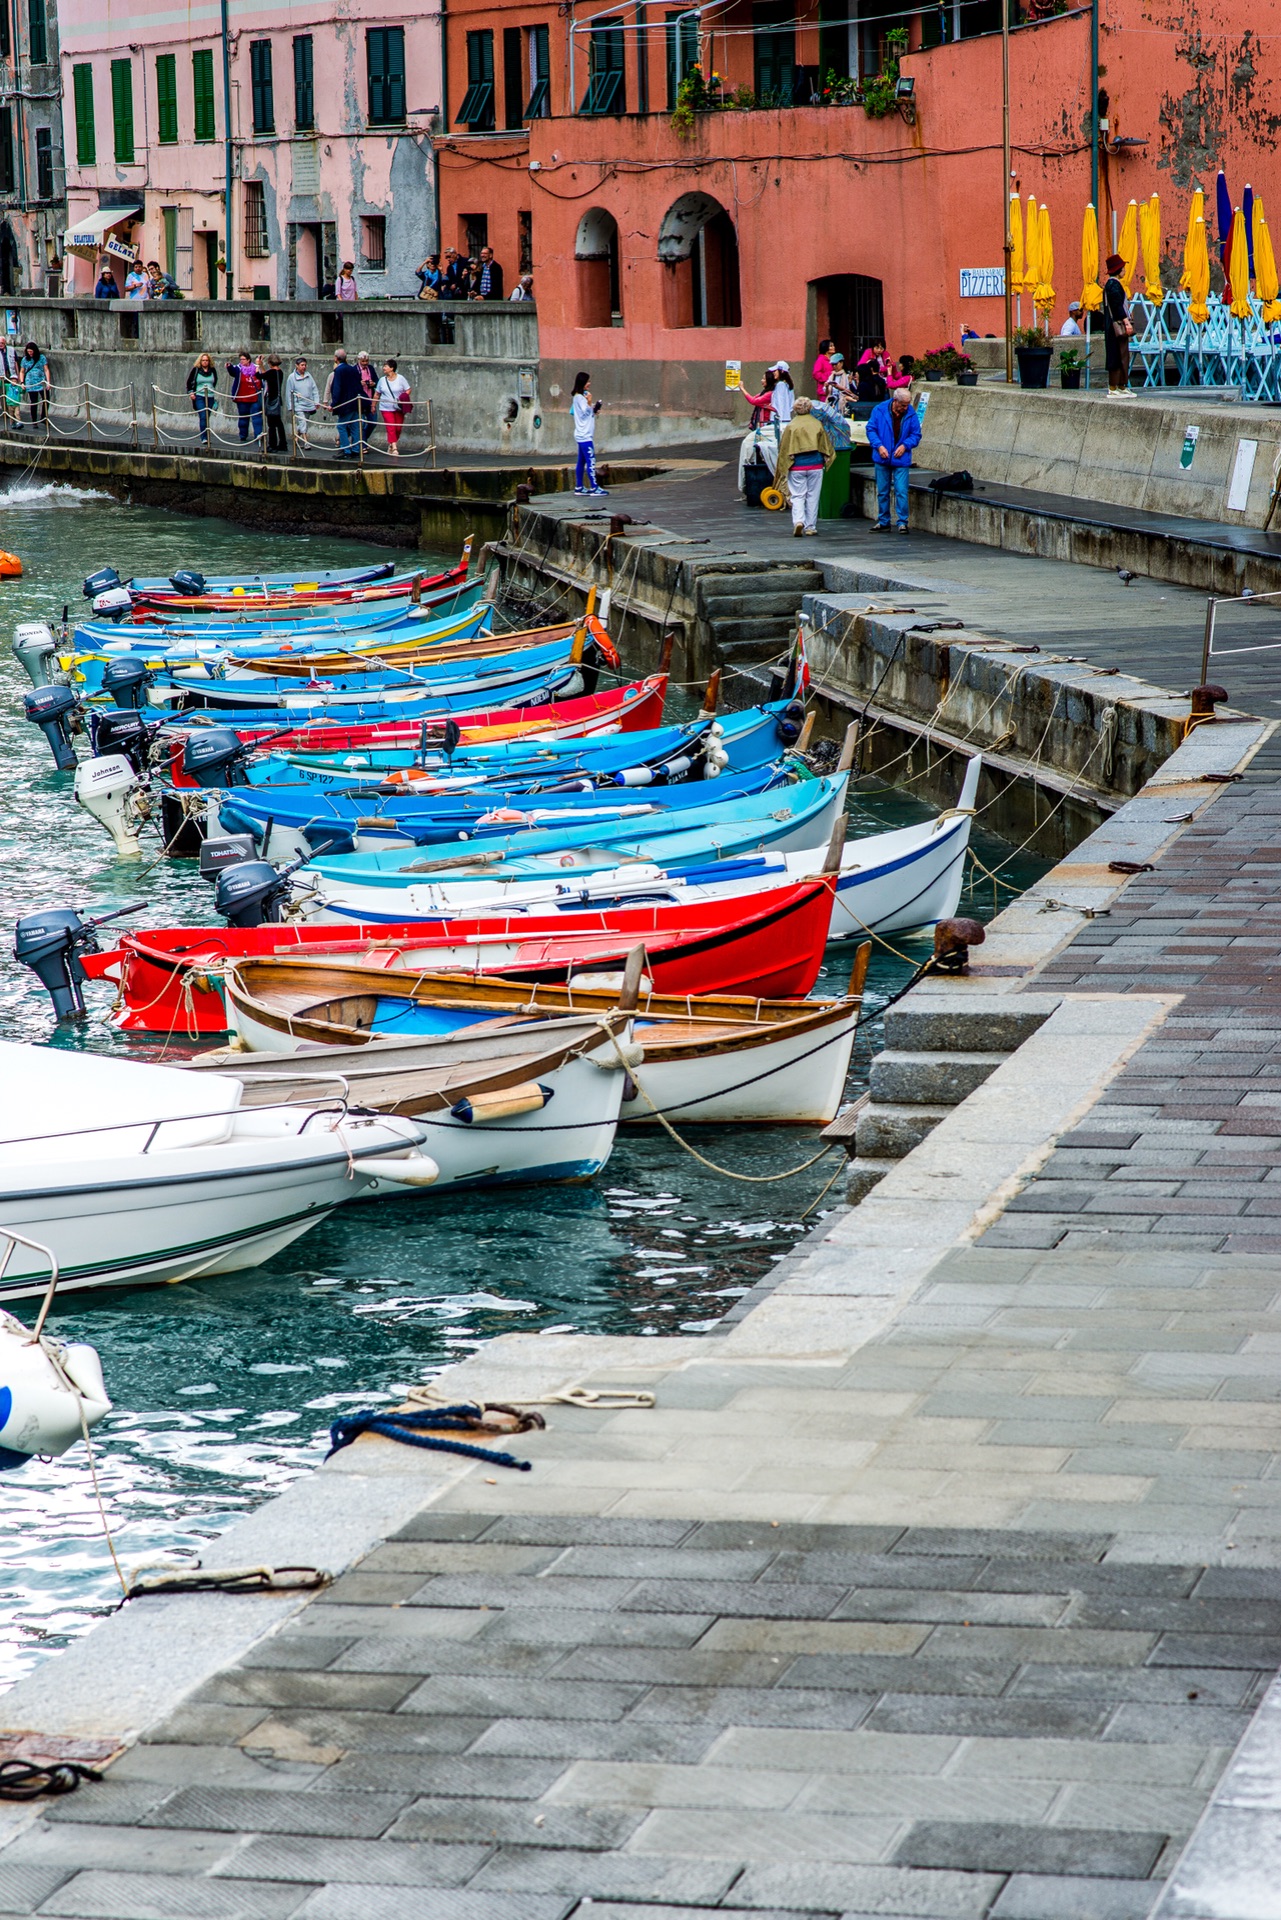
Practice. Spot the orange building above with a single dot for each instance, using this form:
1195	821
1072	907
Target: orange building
830	169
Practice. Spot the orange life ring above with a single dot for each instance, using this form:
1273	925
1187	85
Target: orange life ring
10	566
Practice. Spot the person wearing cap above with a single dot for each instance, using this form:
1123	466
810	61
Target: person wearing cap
1071	328
1117	328
782	392
804	454
840	388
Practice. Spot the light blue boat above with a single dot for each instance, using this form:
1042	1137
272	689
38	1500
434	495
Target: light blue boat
506	686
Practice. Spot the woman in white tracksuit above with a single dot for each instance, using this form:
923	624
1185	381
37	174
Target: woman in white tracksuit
585	410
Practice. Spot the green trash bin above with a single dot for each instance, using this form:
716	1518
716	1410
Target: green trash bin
836	487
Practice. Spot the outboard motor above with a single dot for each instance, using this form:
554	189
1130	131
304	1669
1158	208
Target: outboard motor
125	680
186	582
789	722
108	787
35	646
215	758
114	604
50	943
127	733
252	893
101	582
223	850
52	710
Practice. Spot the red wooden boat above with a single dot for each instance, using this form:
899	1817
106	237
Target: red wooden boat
626	709
771	947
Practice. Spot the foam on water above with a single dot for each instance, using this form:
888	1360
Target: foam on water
50	493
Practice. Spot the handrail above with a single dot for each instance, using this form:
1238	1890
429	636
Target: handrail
15	1238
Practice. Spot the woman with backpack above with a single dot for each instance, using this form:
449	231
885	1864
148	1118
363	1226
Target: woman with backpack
394	404
246	391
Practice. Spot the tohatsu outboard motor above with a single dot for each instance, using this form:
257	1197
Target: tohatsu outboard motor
252	893
50	943
125	680
186	582
215	757
125	733
35	646
100	582
54	710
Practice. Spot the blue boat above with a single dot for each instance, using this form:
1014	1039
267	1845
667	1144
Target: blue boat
505	686
284	582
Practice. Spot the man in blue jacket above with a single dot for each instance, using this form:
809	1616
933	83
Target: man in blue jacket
893	430
342	397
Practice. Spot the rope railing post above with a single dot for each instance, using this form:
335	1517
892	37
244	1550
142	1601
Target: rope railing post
88	413
133	416
1211	607
155	424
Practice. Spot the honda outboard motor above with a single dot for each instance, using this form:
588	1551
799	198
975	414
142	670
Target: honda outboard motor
187	582
125	680
50	943
35	646
101	582
52	709
114	604
108	787
215	758
252	893
127	733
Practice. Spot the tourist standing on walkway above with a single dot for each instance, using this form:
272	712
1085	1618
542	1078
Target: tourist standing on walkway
302	399
585	411
489	277
392	394
368	385
11	380
893	430
1071	328
782	395
106	287
455	285
762	403
342	397
870	374
273	390
345	287
524	287
1116	318
137	285
202	383
804	455
429	278
823	366
246	391
36	383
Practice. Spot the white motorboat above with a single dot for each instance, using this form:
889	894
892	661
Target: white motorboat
132	1174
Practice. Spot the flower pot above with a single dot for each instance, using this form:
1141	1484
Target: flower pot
969	379
1034	365
933	373
1070	377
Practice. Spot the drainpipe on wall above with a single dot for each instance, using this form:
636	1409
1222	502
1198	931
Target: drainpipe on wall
1005	190
444	123
1094	106
228	220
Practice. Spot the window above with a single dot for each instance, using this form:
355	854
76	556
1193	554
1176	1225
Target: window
167	99
682	52
255	219
774	44
642	59
304	87
6	38
82	93
44	164
525	241
538	106
513	77
169	227
202	89
477	110
475	234
8	176
37	32
122	109
264	96
606	89
385	55
373	242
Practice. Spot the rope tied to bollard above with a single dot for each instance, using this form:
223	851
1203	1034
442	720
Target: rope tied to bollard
407	1428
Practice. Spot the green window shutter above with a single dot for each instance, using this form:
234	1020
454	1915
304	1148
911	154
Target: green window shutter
264	97
38	33
304	88
167	99
122	109
385	57
202	85
86	139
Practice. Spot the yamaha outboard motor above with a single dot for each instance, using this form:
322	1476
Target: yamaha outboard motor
123	733
52	709
125	680
186	582
35	646
789	722
252	893
51	943
103	581
215	758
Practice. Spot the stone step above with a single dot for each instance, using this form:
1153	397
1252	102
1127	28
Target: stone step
965	1024
887	1132
739	632
863	1175
726	606
940	1079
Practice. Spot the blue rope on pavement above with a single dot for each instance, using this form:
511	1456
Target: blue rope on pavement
405	1428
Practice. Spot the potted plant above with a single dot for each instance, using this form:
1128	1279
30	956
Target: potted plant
1033	352
1070	368
966	375
947	363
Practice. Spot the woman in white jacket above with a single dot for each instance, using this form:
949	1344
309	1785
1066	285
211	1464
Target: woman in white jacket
302	398
585	411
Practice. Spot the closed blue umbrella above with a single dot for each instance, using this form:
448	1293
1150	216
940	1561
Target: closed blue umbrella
1247	214
1223	220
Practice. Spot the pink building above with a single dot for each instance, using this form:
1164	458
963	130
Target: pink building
328	148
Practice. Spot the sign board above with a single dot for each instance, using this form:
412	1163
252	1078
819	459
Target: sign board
982	283
119	249
1242	474
922	402
1190	439
733	376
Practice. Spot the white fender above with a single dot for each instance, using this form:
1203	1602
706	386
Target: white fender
105	787
43	1386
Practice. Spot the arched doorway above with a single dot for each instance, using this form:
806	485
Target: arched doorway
10	276
847	308
698	247
596	252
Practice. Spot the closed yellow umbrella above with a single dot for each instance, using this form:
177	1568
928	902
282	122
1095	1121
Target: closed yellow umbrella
1195	212
1239	268
1150	238
1265	265
1016	236
1128	246
1031	270
1198	271
1091	291
1043	297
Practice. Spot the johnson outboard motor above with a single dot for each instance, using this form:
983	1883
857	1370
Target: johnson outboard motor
51	943
124	733
252	893
215	757
53	710
103	581
125	680
186	582
35	646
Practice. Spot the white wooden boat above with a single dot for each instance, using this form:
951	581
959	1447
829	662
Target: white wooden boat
131	1174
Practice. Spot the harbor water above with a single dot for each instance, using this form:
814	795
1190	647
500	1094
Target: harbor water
224	1390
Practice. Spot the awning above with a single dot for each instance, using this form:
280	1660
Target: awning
88	237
